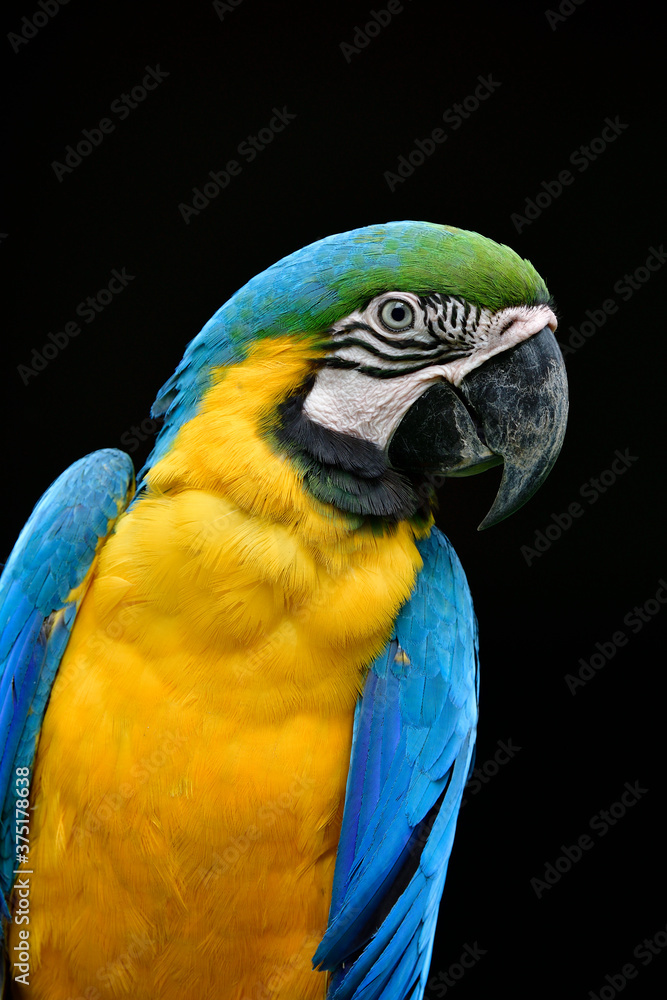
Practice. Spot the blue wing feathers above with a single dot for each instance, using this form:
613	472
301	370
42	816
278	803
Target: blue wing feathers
373	767
413	741
400	952
51	558
390	738
17	703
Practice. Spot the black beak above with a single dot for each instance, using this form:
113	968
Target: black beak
512	409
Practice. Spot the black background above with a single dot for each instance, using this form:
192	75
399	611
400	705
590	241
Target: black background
354	116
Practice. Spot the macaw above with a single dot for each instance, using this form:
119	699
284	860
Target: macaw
239	700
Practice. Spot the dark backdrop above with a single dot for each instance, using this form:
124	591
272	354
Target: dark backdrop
560	155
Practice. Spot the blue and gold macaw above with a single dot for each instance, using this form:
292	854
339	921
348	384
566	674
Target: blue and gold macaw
239	702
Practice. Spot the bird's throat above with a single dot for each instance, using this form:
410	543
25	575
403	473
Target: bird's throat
351	474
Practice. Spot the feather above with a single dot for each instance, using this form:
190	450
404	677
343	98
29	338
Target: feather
373	957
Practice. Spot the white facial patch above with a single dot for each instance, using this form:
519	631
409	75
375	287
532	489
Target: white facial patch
386	355
368	408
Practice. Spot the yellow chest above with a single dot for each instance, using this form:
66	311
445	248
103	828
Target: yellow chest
190	778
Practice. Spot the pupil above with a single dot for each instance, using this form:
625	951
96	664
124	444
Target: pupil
398	314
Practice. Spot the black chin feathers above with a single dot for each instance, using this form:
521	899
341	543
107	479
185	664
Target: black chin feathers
348	472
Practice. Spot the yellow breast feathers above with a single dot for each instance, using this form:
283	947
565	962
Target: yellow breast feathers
191	771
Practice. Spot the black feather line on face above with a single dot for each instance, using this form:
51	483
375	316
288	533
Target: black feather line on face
347	453
348	472
437	338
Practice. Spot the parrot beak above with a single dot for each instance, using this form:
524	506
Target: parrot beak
512	409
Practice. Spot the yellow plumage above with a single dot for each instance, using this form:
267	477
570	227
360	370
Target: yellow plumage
190	776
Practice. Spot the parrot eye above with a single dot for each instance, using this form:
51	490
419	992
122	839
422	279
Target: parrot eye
396	315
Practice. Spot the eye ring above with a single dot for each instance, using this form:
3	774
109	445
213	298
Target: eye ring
396	315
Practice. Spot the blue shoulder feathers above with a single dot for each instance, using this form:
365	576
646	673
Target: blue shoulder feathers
50	560
413	743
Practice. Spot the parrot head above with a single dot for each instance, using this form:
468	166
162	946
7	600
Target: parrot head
431	353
